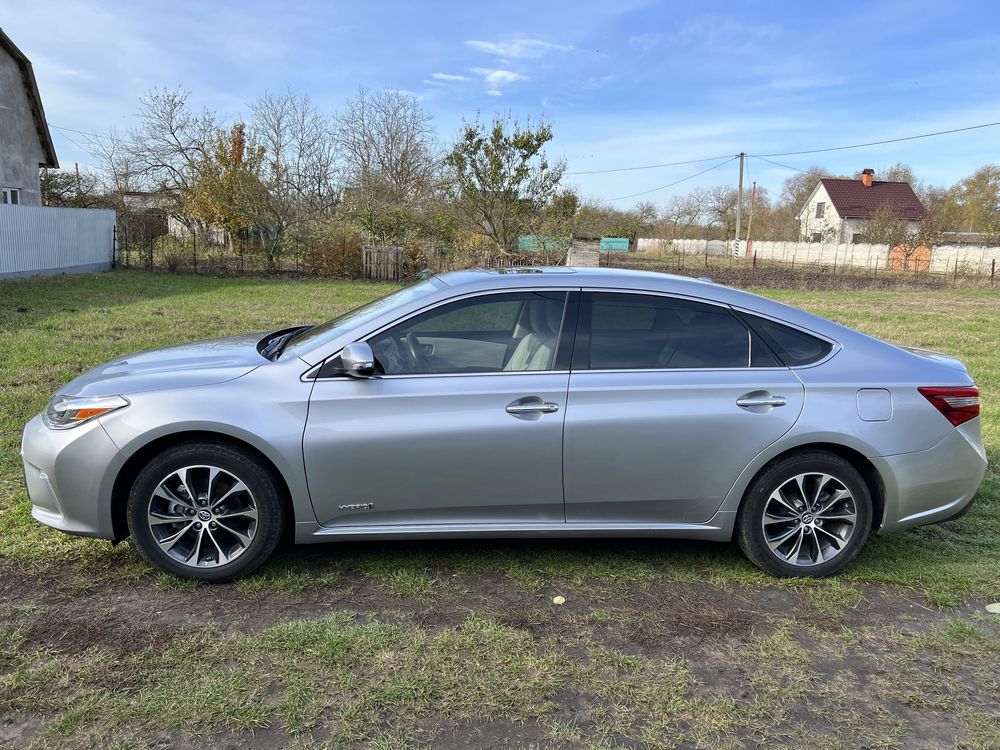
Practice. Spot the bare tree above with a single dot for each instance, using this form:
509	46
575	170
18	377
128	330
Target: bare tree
681	214
299	175
906	238
388	143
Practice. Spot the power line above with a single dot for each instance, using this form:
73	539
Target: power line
650	166
881	143
728	160
71	140
71	130
783	166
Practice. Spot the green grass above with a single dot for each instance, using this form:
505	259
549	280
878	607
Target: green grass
454	644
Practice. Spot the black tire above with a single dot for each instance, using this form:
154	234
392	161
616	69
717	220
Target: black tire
750	533
269	522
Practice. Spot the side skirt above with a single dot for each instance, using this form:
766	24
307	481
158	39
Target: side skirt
719	529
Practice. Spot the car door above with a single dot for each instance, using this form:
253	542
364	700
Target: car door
670	399
464	426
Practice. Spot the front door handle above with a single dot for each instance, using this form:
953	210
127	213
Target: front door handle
532	408
748	401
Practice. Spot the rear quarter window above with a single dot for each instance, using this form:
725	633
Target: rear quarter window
793	347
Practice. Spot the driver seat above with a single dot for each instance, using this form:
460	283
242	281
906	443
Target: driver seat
535	350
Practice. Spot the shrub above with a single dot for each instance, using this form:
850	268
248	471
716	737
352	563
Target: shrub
338	257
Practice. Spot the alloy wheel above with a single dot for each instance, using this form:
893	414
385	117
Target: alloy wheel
202	516
809	519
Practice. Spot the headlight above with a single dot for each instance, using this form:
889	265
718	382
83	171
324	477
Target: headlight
64	412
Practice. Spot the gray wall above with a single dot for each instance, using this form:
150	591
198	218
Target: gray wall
20	151
38	240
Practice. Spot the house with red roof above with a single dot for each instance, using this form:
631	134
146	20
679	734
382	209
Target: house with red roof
838	210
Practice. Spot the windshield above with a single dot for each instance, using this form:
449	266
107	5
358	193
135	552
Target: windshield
361	315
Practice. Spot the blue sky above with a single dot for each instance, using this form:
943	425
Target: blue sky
623	82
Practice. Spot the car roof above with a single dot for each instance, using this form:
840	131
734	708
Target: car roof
485	279
567	276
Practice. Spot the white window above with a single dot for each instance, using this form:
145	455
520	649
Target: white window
10	195
820	209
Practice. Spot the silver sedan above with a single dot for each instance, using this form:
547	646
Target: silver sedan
521	402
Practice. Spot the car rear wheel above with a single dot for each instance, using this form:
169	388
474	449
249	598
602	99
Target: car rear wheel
806	515
207	511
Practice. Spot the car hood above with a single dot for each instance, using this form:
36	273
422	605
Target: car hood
180	366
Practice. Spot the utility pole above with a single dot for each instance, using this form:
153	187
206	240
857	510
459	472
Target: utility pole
739	209
753	199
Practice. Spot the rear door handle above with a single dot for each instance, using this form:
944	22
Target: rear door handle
750	401
532	408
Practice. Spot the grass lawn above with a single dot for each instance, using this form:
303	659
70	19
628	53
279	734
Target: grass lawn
458	644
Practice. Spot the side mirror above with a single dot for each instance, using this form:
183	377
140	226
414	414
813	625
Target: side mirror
355	361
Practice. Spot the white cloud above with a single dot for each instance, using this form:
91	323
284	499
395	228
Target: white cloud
498	76
449	77
518	47
494	92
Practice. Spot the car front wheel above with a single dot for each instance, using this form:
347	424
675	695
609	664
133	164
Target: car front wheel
806	515
207	511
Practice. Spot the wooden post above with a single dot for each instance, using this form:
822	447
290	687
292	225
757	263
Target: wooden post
993	271
954	278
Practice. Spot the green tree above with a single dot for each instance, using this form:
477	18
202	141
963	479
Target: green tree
502	178
228	180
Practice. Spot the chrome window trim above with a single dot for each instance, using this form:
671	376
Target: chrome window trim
606	371
457	298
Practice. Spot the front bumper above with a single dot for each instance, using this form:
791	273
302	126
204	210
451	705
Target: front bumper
70	475
934	485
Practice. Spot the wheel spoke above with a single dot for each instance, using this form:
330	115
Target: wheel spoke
793	555
770	519
185	480
196	554
775	543
213	473
244	538
837	541
236	488
250	513
168	542
223	557
814	540
172	497
846	516
779	497
159	519
837	496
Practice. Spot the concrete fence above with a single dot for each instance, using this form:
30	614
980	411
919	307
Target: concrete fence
941	259
36	240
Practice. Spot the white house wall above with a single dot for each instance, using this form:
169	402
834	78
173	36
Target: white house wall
829	226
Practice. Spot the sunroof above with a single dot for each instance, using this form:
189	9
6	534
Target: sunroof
529	269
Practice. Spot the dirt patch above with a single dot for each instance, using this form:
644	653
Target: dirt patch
73	633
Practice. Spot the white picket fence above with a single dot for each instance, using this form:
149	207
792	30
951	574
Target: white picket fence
943	258
36	240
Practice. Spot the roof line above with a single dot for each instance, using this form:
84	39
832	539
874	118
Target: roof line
34	100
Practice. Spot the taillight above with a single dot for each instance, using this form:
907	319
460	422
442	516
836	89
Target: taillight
957	404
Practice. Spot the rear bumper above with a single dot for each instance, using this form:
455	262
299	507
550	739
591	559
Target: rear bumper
70	475
934	485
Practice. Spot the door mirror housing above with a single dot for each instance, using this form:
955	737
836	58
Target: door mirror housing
355	361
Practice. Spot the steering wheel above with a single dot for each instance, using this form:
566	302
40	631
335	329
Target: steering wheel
417	352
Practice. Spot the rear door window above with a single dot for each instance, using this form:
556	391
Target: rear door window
639	331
